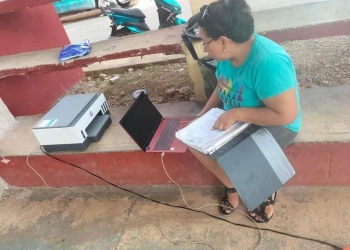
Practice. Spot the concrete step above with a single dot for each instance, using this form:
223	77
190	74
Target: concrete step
41	218
283	15
279	20
320	155
120	65
301	15
80	16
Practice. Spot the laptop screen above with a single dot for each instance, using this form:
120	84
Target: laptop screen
141	121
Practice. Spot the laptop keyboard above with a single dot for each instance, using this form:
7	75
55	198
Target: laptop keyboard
167	135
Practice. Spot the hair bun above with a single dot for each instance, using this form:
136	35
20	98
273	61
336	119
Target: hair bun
237	5
233	19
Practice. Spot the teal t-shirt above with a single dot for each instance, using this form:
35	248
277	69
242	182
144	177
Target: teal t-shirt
268	71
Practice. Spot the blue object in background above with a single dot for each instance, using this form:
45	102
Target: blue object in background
65	6
172	4
180	21
74	50
121	20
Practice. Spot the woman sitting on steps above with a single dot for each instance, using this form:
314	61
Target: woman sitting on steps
256	84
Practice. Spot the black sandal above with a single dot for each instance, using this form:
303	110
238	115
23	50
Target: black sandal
226	203
261	211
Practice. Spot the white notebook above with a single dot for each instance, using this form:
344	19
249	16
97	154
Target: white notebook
200	136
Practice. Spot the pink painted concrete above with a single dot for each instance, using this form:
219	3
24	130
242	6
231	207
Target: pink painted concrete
153	42
171	43
29	30
35	94
7	6
339	28
316	164
32	29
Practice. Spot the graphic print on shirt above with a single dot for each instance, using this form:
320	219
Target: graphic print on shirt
230	92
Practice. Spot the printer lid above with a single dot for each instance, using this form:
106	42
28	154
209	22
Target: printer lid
67	111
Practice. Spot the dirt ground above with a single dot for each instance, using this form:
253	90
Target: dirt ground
166	83
319	63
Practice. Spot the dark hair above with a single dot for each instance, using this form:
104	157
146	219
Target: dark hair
232	18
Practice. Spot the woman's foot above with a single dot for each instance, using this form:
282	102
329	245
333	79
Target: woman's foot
264	212
230	201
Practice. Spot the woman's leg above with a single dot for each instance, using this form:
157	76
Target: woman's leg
212	165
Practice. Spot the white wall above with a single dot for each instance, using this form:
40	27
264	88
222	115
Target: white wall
7	121
3	187
258	5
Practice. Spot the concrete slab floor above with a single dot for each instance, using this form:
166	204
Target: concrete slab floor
329	121
43	218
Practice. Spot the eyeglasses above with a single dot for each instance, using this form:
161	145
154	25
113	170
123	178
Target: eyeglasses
206	13
204	45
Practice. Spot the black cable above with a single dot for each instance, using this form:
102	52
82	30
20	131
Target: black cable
213	216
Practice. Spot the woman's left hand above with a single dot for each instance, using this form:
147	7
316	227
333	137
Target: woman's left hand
225	120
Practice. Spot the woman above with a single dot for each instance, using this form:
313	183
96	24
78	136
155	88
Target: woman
256	84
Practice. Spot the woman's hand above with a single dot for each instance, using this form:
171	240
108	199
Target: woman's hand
225	120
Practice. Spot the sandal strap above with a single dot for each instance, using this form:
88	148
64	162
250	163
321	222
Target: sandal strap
262	214
272	201
230	190
269	201
265	218
266	203
259	212
227	205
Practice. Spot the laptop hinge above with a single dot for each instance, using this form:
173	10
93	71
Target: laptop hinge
149	139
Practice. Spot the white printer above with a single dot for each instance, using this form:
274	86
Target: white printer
74	122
